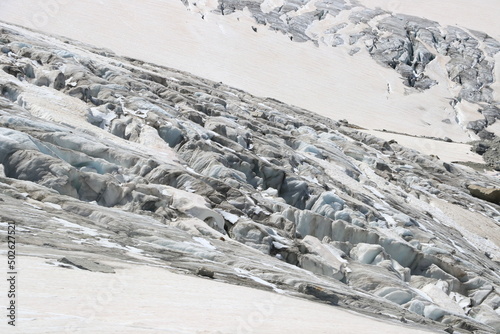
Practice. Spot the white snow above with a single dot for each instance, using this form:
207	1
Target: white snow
447	152
32	205
74	227
232	218
105	242
205	243
375	191
247	274
53	205
189	169
279	245
144	299
389	220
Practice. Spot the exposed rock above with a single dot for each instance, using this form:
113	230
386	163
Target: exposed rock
205	272
490	150
488	194
320	293
86	264
477	126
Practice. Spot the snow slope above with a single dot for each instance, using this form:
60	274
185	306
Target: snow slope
145	299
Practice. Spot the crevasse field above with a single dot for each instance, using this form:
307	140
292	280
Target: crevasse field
250	166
